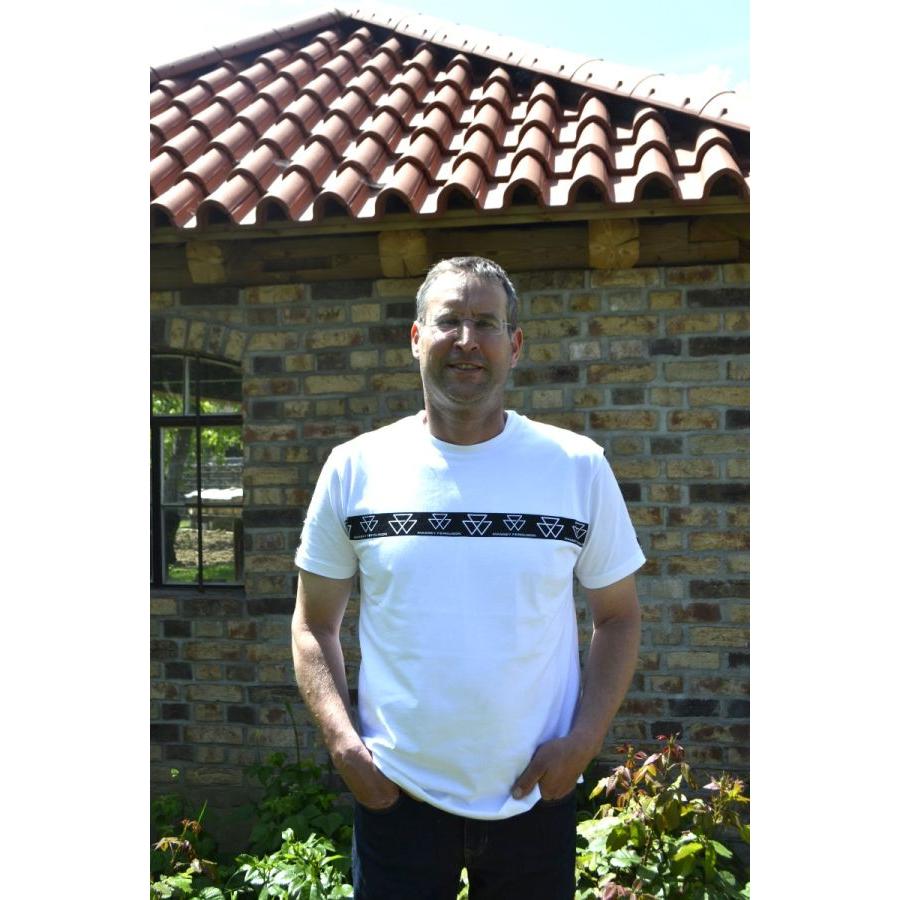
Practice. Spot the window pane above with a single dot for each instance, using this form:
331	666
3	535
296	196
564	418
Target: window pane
179	470
222	462
180	547
223	543
215	387
166	385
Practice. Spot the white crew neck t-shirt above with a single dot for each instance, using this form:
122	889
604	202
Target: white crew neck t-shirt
466	556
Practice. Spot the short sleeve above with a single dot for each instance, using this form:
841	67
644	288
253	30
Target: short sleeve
611	550
324	547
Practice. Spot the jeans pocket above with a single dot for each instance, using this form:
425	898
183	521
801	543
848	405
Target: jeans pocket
559	801
383	811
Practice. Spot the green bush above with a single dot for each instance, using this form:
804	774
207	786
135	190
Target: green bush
650	839
651	836
294	797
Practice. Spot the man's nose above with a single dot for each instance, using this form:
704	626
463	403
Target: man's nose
466	335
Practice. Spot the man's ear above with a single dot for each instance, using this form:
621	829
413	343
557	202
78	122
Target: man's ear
517	340
414	340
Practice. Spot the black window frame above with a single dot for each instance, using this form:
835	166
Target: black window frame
198	421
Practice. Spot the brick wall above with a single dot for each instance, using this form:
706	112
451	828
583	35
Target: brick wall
652	363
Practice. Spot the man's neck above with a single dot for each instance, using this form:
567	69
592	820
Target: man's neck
464	429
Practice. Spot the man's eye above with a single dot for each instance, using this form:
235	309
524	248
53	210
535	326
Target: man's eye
447	322
486	323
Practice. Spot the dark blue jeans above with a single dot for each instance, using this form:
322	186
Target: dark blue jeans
412	851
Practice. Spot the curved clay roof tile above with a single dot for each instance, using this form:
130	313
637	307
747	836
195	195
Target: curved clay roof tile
291	196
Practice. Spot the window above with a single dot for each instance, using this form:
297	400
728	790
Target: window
196	461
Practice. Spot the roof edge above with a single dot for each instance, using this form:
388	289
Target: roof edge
326	16
547	61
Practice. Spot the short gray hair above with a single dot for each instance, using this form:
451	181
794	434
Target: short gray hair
477	267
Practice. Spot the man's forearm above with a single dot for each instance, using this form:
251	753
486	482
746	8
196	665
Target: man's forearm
319	670
608	670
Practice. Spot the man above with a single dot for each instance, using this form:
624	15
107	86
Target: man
466	523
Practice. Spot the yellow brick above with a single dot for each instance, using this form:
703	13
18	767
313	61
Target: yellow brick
543	352
719	540
259	476
332	407
161	300
736	273
696	322
720	443
330	314
636	468
739	370
273	340
740	563
724	396
693	419
546	304
547	399
585	302
606	372
692	371
208	775
624	277
267	496
667	540
737	321
363	406
397	381
396	287
163	606
692	275
624	325
365	312
691	468
587	398
627	446
665	299
646	515
334	384
666	493
551	328
343	337
739	517
214	734
692	565
572	421
274	293
196	336
722	636
177	332
740	614
637	420
738	468
666	396
276	673
234	346
363	359
692	659
297	409
212	693
396	357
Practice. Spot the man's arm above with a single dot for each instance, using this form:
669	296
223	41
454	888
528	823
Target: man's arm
610	665
319	669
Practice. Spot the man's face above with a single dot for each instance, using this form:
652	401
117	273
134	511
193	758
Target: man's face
465	370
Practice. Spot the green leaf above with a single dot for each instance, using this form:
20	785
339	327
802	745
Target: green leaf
721	849
687	850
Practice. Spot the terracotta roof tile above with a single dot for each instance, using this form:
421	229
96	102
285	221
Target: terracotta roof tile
369	112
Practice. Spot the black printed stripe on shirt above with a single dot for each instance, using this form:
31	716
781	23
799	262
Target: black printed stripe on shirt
466	524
